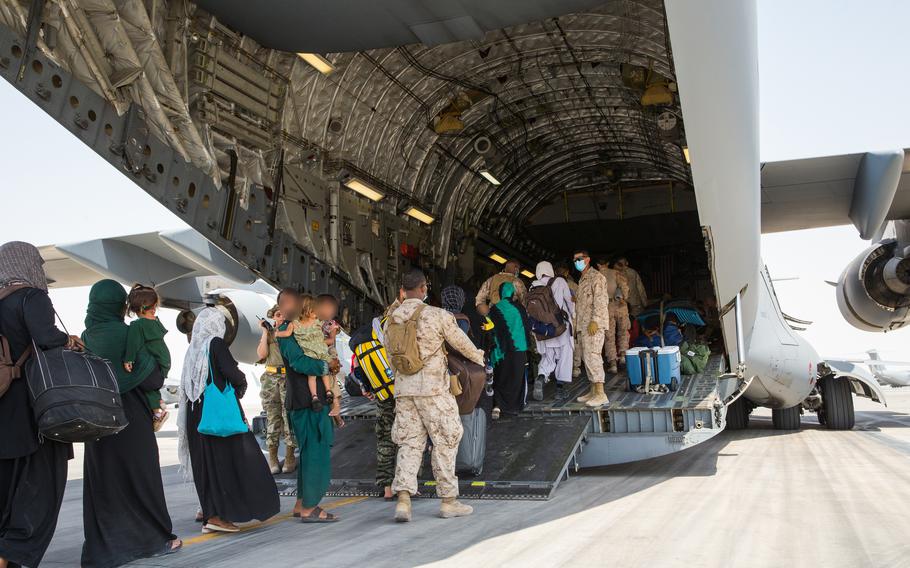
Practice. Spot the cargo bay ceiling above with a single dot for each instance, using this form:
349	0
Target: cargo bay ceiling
422	99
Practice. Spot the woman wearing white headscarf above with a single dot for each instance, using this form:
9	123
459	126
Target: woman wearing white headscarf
556	353
232	478
32	470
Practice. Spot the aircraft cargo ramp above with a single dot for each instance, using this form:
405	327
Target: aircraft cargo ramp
529	455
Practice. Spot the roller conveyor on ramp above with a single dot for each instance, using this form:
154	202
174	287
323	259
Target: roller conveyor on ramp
529	455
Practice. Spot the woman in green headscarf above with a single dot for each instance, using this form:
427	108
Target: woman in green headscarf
124	510
509	356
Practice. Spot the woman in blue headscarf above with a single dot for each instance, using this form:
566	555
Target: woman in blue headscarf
125	514
509	356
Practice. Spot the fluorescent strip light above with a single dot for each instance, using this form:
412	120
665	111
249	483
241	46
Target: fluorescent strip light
318	62
685	150
420	215
364	189
489	177
497	258
528	274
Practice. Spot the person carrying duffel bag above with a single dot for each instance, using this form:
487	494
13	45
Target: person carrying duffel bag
32	466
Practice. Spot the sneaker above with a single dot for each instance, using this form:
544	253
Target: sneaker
495	414
561	392
538	388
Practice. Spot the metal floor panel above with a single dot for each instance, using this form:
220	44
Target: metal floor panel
526	458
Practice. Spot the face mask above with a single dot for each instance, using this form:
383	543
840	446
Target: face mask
580	264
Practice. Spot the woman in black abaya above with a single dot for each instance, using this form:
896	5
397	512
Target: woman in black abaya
124	513
32	471
232	478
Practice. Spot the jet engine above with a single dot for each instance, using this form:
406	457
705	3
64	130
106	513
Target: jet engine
873	292
241	309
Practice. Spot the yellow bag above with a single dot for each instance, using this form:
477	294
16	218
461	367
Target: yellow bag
373	360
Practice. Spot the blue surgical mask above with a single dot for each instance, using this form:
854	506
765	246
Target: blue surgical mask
580	264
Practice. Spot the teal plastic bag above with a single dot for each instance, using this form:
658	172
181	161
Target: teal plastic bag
220	411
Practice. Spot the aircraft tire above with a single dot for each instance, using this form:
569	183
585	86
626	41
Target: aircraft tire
738	415
785	418
837	396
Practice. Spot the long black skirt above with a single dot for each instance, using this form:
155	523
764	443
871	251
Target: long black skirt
124	511
509	382
232	478
31	492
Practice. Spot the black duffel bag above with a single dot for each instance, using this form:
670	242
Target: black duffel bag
75	395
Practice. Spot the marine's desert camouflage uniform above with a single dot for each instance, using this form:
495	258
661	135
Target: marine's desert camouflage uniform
638	297
489	290
591	304
617	341
423	404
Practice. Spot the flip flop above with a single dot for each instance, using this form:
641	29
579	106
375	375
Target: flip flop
212	527
314	517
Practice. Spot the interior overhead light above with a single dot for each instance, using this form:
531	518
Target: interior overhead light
498	258
420	215
489	177
318	62
685	150
528	274
364	189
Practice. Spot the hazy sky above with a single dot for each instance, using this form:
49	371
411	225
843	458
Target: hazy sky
832	81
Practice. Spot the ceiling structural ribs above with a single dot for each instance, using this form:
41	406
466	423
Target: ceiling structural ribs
475	133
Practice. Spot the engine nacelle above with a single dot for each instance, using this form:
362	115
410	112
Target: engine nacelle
873	292
241	309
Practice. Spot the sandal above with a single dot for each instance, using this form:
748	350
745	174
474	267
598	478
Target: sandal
170	547
316	404
212	527
329	397
314	517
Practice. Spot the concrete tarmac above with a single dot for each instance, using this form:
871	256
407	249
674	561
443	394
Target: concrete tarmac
755	498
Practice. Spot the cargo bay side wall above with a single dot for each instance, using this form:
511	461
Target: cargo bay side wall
315	238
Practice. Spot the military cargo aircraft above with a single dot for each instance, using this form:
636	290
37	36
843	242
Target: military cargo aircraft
330	146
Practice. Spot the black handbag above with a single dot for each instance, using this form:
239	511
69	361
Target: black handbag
75	395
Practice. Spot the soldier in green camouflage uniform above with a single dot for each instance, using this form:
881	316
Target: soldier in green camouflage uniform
386	449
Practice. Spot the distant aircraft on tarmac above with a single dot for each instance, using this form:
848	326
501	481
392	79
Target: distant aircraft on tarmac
889	373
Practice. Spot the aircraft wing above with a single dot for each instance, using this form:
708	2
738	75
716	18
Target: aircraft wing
157	259
862	189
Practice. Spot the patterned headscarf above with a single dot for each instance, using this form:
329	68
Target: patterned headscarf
21	263
209	324
453	299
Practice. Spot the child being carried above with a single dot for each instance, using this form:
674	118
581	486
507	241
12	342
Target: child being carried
147	331
307	331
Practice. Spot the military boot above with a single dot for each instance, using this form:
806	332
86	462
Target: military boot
273	460
451	508
587	396
290	461
598	397
403	508
612	369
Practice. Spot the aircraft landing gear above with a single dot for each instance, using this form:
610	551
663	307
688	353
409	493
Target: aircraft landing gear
837	408
785	418
738	414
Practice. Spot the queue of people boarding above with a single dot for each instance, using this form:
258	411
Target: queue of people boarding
412	346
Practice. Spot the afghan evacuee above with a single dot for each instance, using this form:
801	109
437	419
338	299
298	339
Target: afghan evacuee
556	353
415	336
